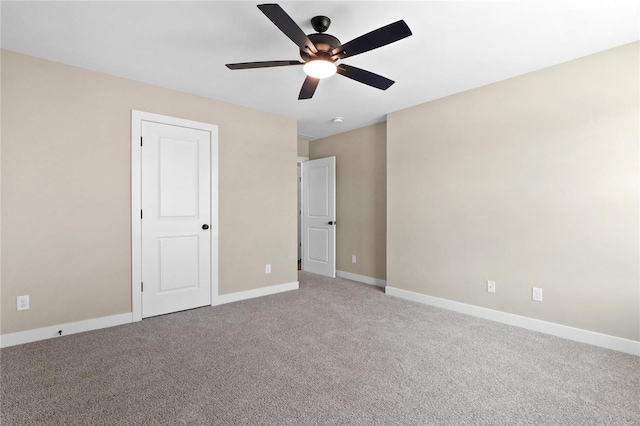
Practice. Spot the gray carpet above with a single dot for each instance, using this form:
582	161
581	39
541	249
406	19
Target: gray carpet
333	352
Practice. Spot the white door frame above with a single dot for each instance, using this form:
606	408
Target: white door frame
300	228
137	117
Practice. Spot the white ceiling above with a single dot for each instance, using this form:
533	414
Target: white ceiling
456	46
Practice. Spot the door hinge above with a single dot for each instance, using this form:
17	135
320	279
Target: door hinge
140	140
140	214
141	286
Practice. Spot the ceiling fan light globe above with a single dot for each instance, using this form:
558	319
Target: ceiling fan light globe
319	68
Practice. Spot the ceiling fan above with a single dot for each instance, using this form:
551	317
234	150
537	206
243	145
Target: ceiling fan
321	51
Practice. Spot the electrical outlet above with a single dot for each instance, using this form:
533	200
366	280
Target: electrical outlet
23	303
491	286
267	268
353	258
536	294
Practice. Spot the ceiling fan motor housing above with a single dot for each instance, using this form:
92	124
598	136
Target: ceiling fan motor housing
325	43
320	23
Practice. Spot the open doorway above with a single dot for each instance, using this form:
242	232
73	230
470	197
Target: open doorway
317	215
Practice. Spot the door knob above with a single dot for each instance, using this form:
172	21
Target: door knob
332	222
205	226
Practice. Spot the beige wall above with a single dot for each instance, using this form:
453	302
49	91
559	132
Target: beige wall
66	190
360	197
531	181
303	149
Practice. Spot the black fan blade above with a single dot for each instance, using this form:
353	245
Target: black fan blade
264	64
308	88
364	76
377	38
279	17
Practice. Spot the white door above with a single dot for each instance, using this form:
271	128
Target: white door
176	191
319	216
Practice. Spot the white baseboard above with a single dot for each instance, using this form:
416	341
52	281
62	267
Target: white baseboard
579	335
361	278
21	337
50	332
250	294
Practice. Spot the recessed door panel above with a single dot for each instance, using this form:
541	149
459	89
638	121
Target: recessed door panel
178	177
178	259
319	244
318	197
